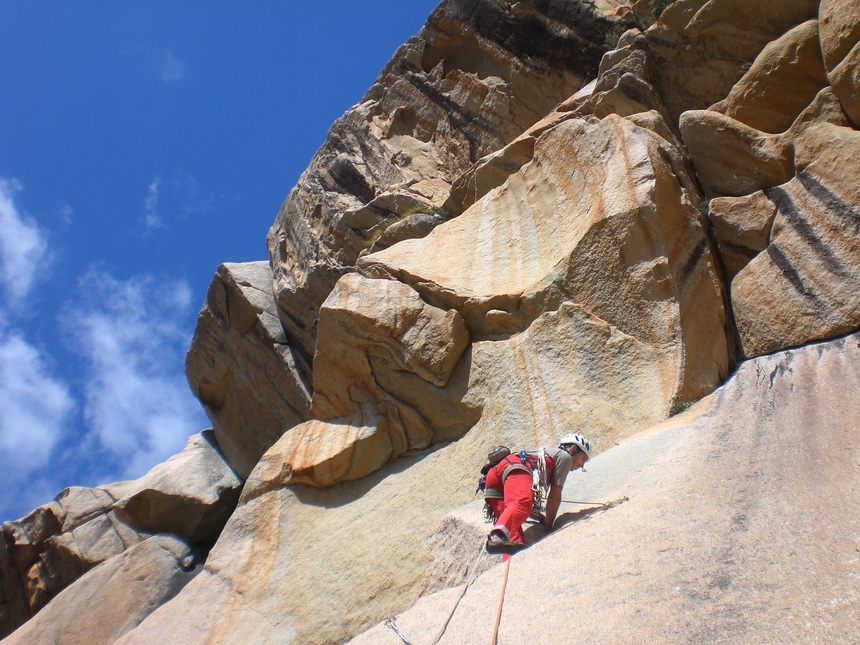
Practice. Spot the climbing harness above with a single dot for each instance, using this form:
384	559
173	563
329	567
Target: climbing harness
534	463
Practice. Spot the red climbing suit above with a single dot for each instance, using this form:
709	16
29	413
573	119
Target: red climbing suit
511	483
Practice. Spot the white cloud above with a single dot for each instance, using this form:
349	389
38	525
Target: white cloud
172	69
151	219
132	335
64	213
23	246
35	409
173	196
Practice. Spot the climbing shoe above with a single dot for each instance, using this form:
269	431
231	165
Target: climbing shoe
498	544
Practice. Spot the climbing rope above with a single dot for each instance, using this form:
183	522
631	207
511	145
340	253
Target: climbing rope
614	502
462	593
495	640
389	622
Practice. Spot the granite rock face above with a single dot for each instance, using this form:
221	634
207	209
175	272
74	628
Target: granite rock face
702	46
113	597
740	526
514	236
840	46
477	75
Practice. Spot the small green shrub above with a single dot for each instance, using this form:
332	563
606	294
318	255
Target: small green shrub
657	7
610	39
676	405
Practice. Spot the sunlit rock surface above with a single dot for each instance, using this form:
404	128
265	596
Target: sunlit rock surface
512	237
189	496
242	367
476	76
741	526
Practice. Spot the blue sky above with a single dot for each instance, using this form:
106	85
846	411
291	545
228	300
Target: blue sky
141	145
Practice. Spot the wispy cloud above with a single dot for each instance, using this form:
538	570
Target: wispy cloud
162	64
172	69
174	196
65	213
23	246
151	219
132	335
36	410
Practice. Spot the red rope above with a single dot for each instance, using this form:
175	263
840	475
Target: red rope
501	602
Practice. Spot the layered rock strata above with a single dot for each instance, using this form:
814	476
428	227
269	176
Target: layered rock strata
477	75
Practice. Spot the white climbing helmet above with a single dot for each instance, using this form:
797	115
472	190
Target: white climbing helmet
574	438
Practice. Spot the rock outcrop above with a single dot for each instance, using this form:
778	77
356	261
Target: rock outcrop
509	238
114	597
190	497
477	75
242	368
803	285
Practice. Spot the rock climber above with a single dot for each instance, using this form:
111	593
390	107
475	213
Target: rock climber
511	485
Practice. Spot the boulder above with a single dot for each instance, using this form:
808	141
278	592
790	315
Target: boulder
419	338
46	551
736	510
112	598
741	227
191	495
782	81
732	158
702	46
536	241
476	76
840	46
803	286
373	332
251	382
